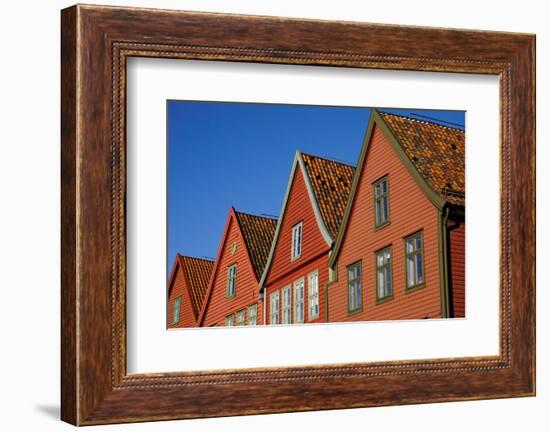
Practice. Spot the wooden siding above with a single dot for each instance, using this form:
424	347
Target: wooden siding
283	269
298	209
457	266
246	292
410	211
179	288
320	264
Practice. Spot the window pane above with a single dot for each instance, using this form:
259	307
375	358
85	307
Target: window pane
419	272
418	242
410	271
384	185
410	246
388	281
380	283
384	209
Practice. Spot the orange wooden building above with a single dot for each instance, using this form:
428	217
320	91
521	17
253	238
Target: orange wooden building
296	274
187	287
232	297
381	241
400	250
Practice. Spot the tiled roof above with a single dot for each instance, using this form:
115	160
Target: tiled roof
258	234
437	151
198	273
331	183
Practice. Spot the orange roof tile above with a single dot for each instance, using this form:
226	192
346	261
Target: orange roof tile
331	183
258	234
198	273
437	152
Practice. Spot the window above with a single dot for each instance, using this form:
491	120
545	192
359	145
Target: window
297	241
229	321
253	314
239	318
414	251
313	295
381	204
274	308
231	280
383	274
299	301
354	287
177	307
287	305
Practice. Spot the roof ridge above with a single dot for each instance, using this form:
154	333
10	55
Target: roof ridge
329	159
197	258
267	217
422	121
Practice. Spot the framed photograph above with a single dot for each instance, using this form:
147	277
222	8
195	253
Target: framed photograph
258	208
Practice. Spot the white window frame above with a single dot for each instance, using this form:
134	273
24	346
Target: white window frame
313	295
384	282
177	306
230	319
253	315
286	307
415	271
231	290
299	297
274	307
240	317
297	235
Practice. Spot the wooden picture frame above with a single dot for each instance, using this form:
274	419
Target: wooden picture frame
95	42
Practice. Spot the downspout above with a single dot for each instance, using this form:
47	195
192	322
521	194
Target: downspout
442	218
326	302
264	300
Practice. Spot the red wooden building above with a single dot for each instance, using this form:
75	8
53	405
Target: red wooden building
233	297
381	241
400	250
186	290
296	274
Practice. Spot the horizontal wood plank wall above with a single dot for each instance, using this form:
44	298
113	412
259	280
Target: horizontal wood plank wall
246	292
410	211
320	265
179	288
284	270
298	209
457	266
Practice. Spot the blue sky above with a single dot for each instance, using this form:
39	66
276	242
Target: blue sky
240	154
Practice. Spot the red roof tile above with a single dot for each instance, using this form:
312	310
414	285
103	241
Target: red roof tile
258	234
198	273
437	152
331	183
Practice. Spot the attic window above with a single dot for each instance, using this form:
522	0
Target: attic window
381	202
296	241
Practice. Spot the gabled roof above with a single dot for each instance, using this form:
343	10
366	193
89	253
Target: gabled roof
328	184
198	273
258	234
436	151
433	155
331	183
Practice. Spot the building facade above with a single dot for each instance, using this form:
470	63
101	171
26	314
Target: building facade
383	240
400	252
187	287
232	297
296	274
